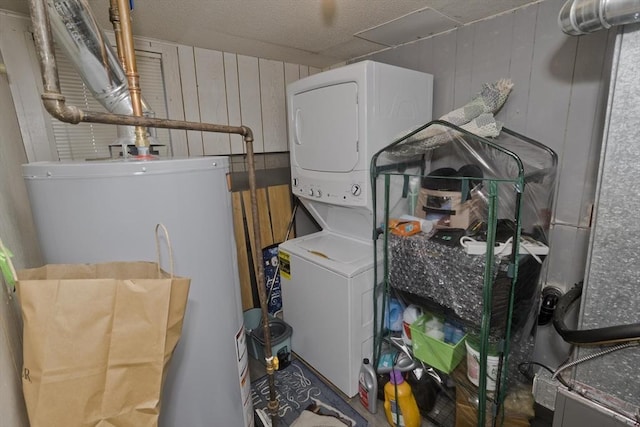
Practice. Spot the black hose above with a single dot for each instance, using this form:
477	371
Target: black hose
606	335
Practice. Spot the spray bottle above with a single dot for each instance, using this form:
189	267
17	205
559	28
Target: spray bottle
400	405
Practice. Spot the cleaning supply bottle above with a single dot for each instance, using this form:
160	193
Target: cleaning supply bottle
400	405
409	315
368	386
414	189
393	316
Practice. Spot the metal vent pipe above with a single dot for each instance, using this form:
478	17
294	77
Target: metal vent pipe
579	17
84	43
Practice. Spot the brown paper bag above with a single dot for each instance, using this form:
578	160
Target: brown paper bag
98	339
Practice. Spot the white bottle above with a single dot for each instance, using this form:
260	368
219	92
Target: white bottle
368	386
414	188
410	315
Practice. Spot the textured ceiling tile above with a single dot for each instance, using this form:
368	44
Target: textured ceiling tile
310	32
411	27
353	48
469	11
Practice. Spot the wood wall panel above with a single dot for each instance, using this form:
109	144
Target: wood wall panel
189	83
462	89
173	93
233	100
443	59
274	211
491	51
272	99
250	107
551	76
514	112
212	98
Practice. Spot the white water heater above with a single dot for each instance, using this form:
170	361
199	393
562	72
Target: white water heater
90	212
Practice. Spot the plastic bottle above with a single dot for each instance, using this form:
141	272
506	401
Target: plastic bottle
414	188
394	315
400	405
409	315
368	386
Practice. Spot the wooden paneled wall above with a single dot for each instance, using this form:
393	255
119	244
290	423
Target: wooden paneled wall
274	212
226	88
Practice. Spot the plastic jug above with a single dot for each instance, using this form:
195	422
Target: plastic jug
410	315
393	315
400	405
368	386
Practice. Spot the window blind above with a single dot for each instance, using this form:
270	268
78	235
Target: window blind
87	141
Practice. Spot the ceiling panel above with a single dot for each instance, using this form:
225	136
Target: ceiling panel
318	33
413	26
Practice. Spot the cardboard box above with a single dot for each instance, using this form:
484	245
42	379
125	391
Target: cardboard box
447	208
517	406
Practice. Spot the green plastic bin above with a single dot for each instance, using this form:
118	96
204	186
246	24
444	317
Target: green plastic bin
438	354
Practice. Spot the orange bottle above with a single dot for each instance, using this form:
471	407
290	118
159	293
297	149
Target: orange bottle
399	403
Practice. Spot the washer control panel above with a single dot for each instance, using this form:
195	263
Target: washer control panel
334	192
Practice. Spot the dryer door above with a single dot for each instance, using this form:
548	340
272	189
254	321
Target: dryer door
325	128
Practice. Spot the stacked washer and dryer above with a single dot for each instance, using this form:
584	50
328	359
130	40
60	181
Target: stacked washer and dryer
337	120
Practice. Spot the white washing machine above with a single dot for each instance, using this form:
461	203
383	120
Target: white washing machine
327	279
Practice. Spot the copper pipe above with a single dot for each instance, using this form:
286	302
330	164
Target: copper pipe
114	17
55	104
131	70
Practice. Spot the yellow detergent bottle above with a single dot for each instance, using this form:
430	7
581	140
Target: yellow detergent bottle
399	403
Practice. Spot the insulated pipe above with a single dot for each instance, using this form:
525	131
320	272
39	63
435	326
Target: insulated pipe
54	103
586	16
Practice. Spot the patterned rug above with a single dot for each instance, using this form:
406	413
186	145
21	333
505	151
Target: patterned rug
298	388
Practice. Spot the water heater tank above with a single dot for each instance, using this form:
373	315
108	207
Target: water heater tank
106	211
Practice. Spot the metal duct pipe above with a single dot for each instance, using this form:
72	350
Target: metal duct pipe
86	46
55	104
586	16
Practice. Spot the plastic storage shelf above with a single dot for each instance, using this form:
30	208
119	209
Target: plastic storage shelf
492	192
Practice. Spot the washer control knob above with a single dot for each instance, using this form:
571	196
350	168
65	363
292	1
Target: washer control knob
295	182
356	190
318	193
311	192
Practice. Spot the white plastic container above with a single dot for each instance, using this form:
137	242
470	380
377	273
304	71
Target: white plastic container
426	226
410	315
473	366
414	188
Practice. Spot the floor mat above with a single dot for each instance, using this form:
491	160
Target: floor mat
298	388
